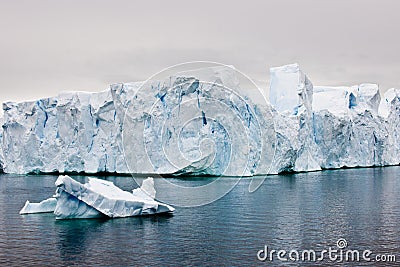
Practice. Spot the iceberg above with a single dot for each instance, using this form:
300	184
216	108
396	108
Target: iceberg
98	198
207	123
47	205
291	94
202	123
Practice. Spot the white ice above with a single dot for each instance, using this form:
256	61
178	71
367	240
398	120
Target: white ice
47	205
98	198
311	128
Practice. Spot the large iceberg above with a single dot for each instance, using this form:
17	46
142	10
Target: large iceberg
204	124
98	198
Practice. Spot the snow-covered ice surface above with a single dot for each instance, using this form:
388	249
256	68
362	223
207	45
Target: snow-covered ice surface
98	198
185	126
336	100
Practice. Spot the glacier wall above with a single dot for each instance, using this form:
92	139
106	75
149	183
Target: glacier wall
177	126
190	126
182	125
73	132
350	127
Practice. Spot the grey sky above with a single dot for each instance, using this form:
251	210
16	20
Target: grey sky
52	46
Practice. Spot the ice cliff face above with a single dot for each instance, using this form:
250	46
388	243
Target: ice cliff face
291	92
348	130
190	126
183	125
180	125
73	132
345	126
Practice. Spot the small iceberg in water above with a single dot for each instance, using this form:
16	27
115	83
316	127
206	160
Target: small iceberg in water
98	198
47	205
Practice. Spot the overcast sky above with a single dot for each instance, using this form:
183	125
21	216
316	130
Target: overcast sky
52	46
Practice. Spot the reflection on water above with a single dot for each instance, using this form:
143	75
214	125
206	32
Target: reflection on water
298	211
76	238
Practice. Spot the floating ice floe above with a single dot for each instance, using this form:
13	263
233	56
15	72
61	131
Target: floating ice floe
47	205
98	198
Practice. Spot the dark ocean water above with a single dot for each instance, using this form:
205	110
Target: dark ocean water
288	212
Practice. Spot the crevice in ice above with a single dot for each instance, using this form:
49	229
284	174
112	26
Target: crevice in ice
203	115
352	101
